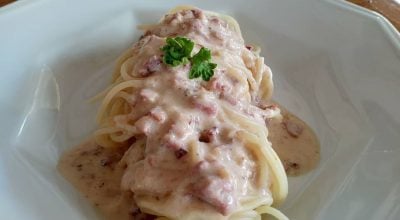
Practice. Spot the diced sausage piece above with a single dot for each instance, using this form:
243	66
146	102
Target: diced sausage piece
153	64
210	108
197	13
216	84
292	128
222	87
209	135
217	192
180	153
145	125
148	95
150	66
158	114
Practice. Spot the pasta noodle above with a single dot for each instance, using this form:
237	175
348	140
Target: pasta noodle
131	112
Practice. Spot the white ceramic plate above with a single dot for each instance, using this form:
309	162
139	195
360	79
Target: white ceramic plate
335	65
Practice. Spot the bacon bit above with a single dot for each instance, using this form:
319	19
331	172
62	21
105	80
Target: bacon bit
216	192
249	47
158	114
197	13
215	84
180	153
292	128
208	135
151	66
208	108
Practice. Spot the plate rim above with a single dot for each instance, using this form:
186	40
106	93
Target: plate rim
387	27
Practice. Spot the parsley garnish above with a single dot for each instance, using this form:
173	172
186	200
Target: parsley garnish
201	65
178	51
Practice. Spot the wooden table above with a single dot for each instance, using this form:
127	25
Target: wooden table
389	8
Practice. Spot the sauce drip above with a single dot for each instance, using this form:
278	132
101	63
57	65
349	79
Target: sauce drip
295	143
96	172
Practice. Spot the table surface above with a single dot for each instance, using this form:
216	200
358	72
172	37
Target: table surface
389	8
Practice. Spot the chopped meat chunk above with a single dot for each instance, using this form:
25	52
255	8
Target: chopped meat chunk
180	153
209	135
208	107
150	66
219	85
217	192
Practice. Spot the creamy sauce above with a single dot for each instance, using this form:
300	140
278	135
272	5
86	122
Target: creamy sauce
96	172
295	143
181	147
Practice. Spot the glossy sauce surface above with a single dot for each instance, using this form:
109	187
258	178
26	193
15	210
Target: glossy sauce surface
295	143
96	172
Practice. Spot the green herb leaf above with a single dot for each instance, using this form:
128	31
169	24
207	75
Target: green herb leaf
177	51
201	65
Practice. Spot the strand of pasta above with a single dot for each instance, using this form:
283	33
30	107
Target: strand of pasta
112	93
254	136
271	211
280	187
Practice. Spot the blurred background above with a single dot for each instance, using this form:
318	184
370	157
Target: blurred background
388	8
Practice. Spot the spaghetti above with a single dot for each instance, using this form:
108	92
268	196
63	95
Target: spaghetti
196	149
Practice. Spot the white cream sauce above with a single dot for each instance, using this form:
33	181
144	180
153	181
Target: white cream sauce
191	161
97	172
295	143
